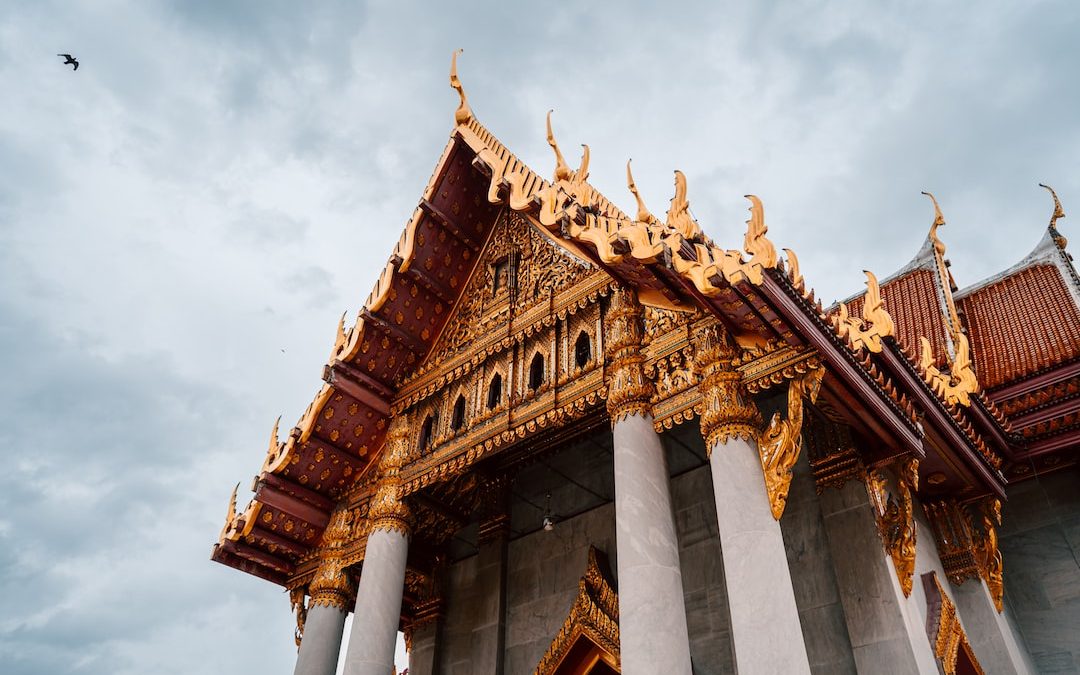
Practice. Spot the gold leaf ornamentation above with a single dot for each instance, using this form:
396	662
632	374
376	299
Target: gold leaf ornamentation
629	390
895	518
388	510
988	557
781	441
726	409
876	322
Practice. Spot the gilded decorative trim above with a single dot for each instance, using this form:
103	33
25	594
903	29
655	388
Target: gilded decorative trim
726	410
987	555
876	323
331	585
300	608
952	529
388	510
946	635
629	390
594	616
958	385
781	441
895	517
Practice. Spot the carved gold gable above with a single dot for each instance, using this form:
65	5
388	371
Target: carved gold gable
520	268
588	642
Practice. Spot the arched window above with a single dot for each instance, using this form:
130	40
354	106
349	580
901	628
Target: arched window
457	418
536	371
494	391
427	432
582	350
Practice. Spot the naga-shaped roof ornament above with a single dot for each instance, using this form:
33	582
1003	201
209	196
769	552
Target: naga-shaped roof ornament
1058	213
643	213
939	220
943	270
678	216
463	113
876	322
562	169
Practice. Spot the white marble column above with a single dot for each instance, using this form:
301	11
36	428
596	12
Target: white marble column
653	632
765	628
992	635
377	615
652	614
764	618
378	605
321	644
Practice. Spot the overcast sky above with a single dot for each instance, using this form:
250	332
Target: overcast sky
184	219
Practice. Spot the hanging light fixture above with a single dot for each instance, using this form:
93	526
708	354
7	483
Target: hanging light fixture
549	520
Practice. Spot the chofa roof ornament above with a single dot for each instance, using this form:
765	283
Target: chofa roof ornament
1061	241
463	113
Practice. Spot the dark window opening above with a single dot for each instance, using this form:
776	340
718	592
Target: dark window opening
494	391
457	419
582	350
501	275
536	372
427	432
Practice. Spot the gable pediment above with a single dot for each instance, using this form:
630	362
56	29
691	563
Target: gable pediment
521	277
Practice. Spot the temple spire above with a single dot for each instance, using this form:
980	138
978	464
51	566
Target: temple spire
463	113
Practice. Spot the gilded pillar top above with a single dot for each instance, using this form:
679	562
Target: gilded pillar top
727	411
388	511
629	390
331	585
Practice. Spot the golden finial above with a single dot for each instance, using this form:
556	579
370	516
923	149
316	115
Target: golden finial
754	241
874	311
582	174
939	220
562	169
231	515
643	214
339	337
463	113
274	443
793	263
1058	211
678	216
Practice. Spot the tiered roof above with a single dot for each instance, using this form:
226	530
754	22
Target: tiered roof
897	401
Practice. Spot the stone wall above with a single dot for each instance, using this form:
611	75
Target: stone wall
1040	546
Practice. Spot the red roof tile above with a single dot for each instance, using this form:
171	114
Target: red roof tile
1024	323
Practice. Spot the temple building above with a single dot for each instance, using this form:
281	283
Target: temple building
564	439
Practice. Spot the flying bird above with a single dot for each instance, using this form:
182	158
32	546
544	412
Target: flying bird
68	58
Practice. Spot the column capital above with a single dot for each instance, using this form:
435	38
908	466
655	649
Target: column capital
388	510
331	585
629	390
727	411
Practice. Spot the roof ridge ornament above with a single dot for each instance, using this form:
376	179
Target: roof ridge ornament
955	327
562	169
678	216
643	213
463	113
1061	241
876	322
